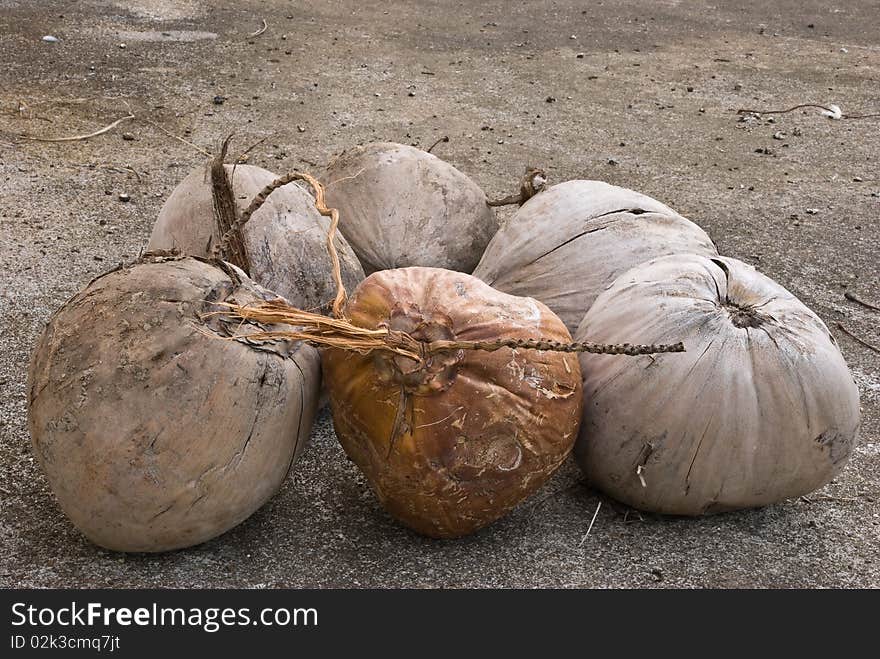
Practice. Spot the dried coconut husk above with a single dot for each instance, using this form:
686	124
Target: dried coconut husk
565	245
401	206
761	408
153	434
281	245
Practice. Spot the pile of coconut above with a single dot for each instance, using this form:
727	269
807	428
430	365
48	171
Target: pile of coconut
463	361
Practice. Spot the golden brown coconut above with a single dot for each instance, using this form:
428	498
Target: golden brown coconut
452	442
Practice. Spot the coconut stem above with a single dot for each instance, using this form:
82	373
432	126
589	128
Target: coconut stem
340	333
320	205
231	244
531	184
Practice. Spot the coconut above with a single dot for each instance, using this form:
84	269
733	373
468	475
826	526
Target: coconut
761	407
452	440
400	206
153	432
282	246
566	244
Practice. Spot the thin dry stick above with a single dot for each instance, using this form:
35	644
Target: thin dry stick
262	29
445	138
133	171
590	528
531	184
320	204
857	339
810	105
179	139
77	138
852	298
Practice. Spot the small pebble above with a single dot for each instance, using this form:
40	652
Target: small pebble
124	197
690	89
301	129
812	211
574	36
50	39
128	137
778	135
844	50
797	132
219	100
857	179
122	45
550	99
580	56
411	94
737	87
613	161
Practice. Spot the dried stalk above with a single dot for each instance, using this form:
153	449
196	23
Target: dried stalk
340	333
531	184
225	211
320	204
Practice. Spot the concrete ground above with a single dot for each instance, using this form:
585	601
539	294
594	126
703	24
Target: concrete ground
644	94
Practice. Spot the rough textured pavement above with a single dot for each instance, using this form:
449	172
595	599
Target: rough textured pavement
641	94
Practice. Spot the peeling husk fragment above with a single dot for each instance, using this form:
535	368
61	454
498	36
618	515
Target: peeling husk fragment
569	242
282	246
452	440
400	206
761	408
154	427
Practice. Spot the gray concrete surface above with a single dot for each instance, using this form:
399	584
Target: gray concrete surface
656	91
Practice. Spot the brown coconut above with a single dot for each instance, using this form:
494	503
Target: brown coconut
400	206
761	407
454	440
284	242
154	432
566	244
